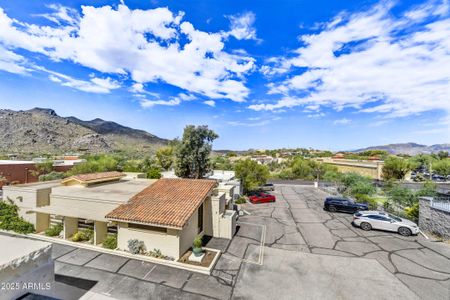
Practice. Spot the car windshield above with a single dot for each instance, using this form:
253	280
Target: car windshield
395	218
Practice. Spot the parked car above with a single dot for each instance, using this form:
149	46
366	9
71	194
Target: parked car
261	198
268	187
368	220
333	204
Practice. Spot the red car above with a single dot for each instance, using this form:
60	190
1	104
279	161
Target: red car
261	198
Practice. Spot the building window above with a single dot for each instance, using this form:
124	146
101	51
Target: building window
147	227
200	218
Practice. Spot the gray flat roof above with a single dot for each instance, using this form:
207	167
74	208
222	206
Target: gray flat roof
15	248
120	191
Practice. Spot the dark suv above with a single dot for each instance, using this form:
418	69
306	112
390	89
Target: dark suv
333	204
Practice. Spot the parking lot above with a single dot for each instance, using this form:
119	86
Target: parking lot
290	249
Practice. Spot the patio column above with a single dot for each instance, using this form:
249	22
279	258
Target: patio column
100	232
42	222
70	226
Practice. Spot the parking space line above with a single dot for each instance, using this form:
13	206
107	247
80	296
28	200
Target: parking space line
148	273
261	246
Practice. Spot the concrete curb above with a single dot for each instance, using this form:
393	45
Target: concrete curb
169	263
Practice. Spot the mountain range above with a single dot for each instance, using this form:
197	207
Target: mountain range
42	130
409	148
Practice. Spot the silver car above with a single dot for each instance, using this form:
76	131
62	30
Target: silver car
368	220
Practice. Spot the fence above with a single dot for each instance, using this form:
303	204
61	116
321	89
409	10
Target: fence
441	203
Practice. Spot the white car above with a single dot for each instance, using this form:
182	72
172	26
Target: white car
368	220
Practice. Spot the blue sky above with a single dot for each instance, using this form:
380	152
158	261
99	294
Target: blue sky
262	74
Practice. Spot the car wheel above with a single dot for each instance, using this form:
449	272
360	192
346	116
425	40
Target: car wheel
365	226
331	208
404	231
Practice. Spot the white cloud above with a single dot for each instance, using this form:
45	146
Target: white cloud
152	45
254	124
150	103
372	62
241	26
95	85
343	121
12	62
61	14
210	103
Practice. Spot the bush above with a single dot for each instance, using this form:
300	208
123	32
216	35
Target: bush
84	235
362	198
136	247
110	241
240	200
154	173
413	212
10	220
156	253
55	230
51	176
197	242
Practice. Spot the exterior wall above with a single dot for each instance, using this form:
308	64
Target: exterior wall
190	231
207	217
168	243
70	227
18	173
42	222
27	199
373	171
84	208
100	232
433	220
217	209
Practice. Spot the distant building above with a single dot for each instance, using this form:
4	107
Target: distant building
224	177
25	171
370	168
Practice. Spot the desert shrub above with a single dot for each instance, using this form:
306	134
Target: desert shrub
54	230
110	241
197	242
156	253
240	200
83	235
136	246
154	173
10	220
363	198
412	212
51	176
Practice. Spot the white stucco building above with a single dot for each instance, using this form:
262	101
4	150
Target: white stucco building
166	214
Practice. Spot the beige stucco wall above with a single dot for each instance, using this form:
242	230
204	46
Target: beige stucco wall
189	232
370	169
168	243
207	217
91	209
27	199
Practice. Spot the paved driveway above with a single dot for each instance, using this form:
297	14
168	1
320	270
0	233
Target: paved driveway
352	263
290	249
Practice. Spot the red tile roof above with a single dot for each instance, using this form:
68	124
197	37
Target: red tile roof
95	176
169	202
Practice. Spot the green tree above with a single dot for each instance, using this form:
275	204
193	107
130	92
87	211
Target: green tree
192	154
396	168
251	174
442	154
94	164
442	167
165	157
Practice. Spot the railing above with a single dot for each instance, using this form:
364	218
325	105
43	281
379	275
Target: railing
441	203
